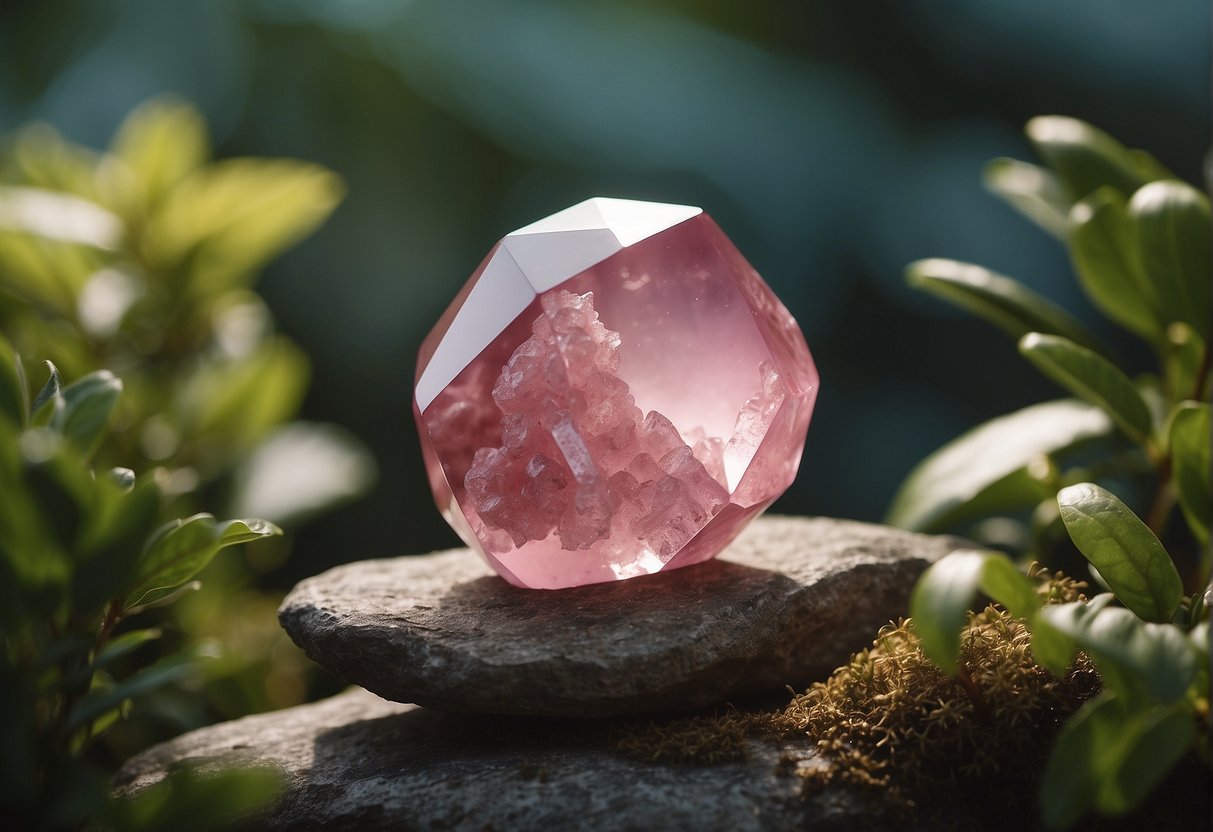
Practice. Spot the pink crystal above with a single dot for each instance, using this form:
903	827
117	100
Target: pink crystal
614	392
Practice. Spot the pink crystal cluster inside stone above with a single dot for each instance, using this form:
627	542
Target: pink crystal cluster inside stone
614	392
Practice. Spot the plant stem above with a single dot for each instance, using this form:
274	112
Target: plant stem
980	706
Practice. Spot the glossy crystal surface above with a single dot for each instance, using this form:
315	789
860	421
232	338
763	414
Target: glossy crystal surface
614	392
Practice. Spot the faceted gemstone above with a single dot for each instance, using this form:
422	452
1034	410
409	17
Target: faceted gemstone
613	393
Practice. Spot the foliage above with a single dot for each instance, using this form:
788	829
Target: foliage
1140	244
141	260
81	551
131	270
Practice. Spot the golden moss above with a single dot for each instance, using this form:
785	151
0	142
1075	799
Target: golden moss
890	719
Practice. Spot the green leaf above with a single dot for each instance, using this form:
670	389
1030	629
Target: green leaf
182	548
1149	744
14	397
49	400
984	470
1004	302
1184	354
1106	262
1051	648
1170	221
231	218
939	602
1123	549
88	403
1075	766
947	589
119	522
1092	377
1132	655
1031	190
161	142
237	403
1190	461
117	648
101	700
1084	157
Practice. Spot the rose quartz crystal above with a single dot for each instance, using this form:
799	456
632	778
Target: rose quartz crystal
614	392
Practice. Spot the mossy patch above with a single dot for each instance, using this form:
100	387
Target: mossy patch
891	720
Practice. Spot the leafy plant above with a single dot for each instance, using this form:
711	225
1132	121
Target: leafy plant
81	551
141	259
1140	244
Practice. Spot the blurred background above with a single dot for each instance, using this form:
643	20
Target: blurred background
834	141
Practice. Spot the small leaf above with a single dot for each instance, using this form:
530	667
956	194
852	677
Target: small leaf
1084	157
14	398
102	700
1190	460
49	400
88	403
1031	190
1004	302
194	797
939	602
184	547
1170	221
1184	353
1106	263
1123	549
1092	377
984	470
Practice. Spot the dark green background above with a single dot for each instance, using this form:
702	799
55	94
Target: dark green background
834	141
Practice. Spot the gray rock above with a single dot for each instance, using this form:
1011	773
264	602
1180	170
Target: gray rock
785	604
358	762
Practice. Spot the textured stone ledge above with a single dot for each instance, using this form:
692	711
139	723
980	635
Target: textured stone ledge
785	604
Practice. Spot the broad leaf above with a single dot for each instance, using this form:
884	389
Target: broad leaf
940	600
983	470
1031	190
1106	263
1170	221
1076	762
1123	549
181	549
161	142
948	589
1190	462
1132	655
1092	377
195	797
1004	302
1150	743
88	403
232	217
1084	157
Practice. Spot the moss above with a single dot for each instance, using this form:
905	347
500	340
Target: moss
891	720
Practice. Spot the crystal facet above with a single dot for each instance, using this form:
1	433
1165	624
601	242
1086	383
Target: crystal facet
614	392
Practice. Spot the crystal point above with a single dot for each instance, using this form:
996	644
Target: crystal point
614	392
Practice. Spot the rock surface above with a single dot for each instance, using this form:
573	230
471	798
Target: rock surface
785	604
358	762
